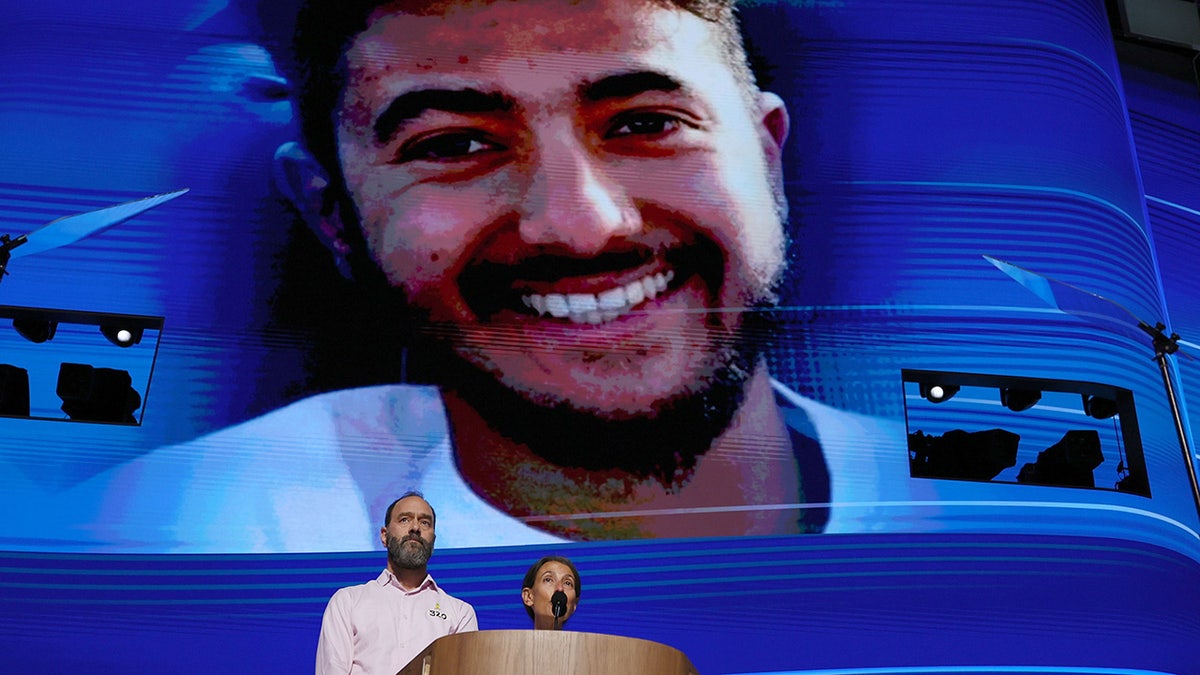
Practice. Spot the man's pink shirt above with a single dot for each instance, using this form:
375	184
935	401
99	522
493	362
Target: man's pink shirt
378	627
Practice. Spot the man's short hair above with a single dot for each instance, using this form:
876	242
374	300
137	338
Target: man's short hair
312	50
387	516
531	576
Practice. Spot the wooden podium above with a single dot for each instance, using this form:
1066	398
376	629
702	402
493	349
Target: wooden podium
545	652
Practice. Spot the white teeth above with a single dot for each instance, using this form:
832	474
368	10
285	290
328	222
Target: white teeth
634	292
557	305
603	307
613	299
582	303
650	287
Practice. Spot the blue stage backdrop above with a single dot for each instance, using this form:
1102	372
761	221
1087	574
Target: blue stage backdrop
939	154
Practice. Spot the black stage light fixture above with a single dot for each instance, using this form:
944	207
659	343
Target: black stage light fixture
14	391
121	336
938	393
97	394
1099	407
1018	400
1069	462
976	455
35	330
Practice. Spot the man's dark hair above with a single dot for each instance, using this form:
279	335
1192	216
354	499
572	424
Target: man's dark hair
387	516
311	46
532	574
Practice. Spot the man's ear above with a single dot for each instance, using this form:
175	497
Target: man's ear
383	536
774	123
304	182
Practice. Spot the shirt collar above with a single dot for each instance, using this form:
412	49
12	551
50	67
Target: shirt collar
386	578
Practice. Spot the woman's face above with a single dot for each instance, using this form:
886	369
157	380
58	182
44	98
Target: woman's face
551	577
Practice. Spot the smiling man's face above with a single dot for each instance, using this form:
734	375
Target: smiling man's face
583	194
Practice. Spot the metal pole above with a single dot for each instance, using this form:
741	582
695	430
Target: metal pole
1164	345
1188	458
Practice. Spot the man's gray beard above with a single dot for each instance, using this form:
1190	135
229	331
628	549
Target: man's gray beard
663	444
405	558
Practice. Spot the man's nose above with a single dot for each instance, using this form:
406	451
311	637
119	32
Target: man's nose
573	201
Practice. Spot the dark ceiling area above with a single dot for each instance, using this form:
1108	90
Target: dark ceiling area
1158	35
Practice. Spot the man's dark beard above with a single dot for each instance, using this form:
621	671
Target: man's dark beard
663	444
405	557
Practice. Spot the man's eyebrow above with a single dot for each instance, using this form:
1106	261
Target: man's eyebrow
626	85
413	104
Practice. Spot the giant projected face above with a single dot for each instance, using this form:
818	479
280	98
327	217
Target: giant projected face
583	200
561	177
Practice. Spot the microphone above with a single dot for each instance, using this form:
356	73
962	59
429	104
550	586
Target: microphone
558	605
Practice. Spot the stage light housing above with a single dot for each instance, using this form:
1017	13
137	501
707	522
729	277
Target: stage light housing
977	455
14	391
97	394
121	335
1018	400
1071	462
1099	407
938	393
35	330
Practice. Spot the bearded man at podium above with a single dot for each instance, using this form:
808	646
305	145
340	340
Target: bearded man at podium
379	626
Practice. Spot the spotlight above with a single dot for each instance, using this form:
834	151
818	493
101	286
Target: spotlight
938	393
14	391
35	330
122	336
97	394
1017	400
1099	407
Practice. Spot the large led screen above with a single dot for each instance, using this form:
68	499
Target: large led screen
574	285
